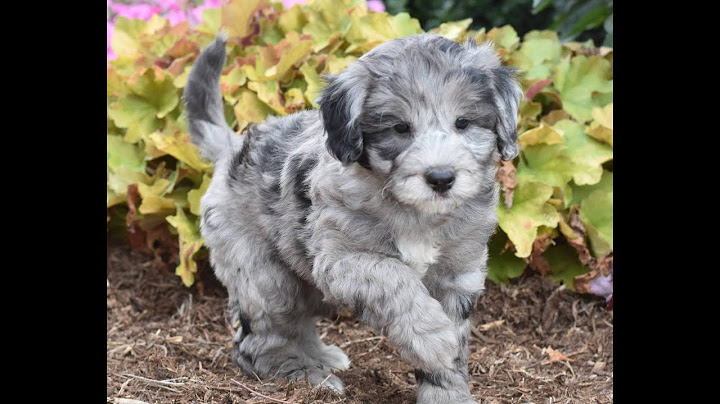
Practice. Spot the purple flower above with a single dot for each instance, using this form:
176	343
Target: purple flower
603	286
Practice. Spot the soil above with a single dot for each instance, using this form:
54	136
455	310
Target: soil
167	343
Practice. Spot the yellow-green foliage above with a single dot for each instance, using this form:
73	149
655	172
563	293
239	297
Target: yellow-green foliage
276	58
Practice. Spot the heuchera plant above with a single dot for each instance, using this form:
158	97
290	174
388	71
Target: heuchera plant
556	208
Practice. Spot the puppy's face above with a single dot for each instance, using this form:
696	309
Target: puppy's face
430	116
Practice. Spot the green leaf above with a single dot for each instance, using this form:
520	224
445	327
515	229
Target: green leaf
195	195
328	21
528	212
163	44
249	108
292	20
269	93
123	154
453	30
596	213
157	88
115	199
292	55
237	16
502	266
608	26
190	243
540	5
153	197
122	177
564	264
587	154
125	40
582	192
314	83
581	16
179	145
370	30
336	64
152	97
539	52
231	82
546	163
137	115
543	134
602	126
577	79
212	22
505	38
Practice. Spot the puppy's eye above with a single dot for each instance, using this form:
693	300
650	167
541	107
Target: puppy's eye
461	123
401	128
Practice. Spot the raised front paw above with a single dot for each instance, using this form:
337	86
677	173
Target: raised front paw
426	337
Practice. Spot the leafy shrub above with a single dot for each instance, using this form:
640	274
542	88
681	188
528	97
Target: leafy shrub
556	205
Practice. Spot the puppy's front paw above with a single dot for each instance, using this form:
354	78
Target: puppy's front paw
435	351
429	340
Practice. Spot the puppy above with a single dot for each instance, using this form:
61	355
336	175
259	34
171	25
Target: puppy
382	201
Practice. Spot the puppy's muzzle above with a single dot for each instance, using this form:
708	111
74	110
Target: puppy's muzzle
440	179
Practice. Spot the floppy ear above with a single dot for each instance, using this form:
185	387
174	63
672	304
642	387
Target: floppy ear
507	96
506	93
341	103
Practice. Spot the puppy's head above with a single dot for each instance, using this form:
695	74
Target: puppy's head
431	116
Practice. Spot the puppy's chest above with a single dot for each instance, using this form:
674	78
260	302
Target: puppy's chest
417	251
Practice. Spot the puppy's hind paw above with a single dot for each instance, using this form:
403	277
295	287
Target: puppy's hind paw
318	377
334	358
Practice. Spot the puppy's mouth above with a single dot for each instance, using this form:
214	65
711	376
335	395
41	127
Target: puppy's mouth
414	191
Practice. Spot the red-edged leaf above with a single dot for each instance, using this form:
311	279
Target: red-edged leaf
536	88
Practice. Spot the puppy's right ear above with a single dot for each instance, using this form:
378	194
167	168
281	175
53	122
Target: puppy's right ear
341	103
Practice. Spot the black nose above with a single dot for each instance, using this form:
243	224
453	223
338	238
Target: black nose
440	179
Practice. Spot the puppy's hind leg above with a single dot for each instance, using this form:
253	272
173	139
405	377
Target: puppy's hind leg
276	325
330	356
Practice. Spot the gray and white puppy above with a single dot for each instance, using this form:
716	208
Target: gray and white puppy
383	202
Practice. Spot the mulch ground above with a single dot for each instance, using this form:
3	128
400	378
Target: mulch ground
532	342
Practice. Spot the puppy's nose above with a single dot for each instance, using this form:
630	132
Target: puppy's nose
440	178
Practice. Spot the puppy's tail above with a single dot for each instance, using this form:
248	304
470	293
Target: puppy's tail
204	104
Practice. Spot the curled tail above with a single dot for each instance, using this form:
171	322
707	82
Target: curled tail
204	104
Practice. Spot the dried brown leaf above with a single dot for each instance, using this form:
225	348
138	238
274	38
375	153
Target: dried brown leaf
506	176
556	356
598	266
536	260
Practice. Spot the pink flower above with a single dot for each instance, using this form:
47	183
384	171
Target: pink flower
171	5
141	11
175	16
375	5
290	3
110	54
196	14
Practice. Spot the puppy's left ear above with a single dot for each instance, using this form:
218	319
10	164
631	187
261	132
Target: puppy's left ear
341	103
507	96
506	93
